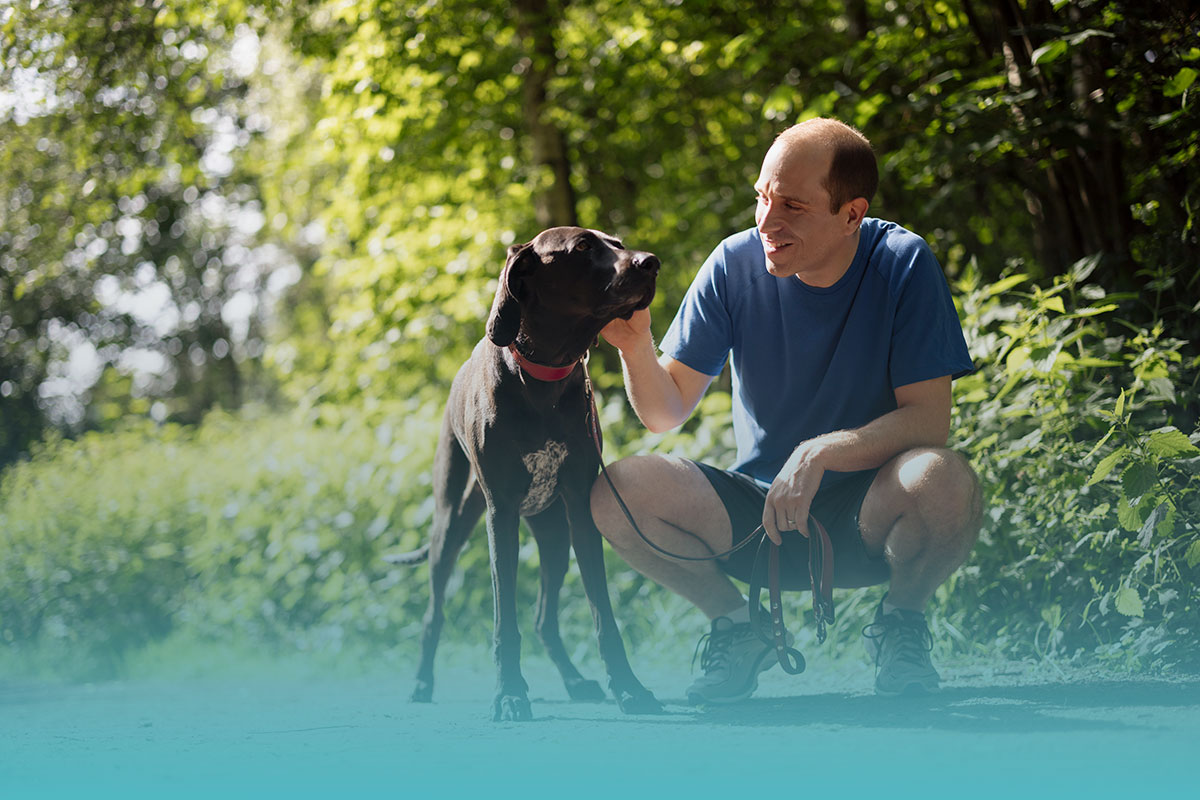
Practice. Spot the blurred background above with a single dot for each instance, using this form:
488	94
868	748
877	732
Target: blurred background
244	246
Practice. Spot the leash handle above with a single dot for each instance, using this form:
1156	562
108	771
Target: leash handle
820	575
790	659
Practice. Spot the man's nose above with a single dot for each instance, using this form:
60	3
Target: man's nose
765	214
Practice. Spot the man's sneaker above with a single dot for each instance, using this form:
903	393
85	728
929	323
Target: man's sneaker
899	643
731	658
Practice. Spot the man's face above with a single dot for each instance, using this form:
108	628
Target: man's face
800	235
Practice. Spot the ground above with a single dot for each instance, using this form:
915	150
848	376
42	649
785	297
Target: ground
995	730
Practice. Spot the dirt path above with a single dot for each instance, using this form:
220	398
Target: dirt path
1000	732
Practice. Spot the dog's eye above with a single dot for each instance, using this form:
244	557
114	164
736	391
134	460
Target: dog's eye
583	244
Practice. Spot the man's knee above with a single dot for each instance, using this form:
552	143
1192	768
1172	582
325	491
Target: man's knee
938	486
945	490
628	476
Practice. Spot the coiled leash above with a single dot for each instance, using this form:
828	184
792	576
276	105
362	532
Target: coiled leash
820	562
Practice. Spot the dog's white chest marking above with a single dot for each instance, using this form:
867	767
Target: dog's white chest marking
543	468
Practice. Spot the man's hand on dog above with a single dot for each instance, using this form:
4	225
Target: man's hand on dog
629	334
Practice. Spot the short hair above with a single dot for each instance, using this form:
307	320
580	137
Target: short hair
853	171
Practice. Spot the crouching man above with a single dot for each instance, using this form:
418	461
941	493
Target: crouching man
844	341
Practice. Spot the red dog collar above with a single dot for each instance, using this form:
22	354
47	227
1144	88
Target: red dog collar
540	371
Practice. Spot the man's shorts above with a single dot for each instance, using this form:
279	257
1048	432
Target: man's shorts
835	506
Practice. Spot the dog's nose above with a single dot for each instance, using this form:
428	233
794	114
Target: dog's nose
646	261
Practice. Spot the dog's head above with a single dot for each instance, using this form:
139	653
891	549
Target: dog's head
574	274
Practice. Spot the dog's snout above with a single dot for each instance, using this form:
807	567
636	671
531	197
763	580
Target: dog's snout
646	261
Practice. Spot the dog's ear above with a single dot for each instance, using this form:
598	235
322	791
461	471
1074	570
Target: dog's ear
505	320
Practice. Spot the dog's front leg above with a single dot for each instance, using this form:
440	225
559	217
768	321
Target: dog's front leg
512	699
632	697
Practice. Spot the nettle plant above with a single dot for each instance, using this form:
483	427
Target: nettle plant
1092	531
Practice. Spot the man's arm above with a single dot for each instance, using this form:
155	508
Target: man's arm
663	392
921	419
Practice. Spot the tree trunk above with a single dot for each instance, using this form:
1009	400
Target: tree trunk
554	201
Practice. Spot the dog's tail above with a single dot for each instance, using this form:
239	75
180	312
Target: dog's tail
413	557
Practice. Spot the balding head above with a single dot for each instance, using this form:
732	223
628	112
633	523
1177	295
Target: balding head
853	171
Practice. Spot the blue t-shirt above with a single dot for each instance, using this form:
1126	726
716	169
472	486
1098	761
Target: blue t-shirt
809	360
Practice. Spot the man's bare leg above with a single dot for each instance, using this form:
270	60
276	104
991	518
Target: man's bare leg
922	514
678	509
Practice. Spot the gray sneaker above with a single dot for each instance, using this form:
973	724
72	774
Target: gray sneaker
731	658
899	643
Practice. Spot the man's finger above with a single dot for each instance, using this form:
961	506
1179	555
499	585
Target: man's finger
768	523
802	520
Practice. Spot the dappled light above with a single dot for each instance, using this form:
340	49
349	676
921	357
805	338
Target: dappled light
245	246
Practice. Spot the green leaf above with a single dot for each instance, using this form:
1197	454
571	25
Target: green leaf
1129	514
1162	513
1106	466
1193	554
1166	525
1004	284
1182	81
1084	267
1091	311
1120	409
1098	445
1049	52
1171	443
1129	602
1054	304
1137	479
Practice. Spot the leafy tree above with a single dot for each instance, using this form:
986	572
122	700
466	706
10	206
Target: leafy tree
126	221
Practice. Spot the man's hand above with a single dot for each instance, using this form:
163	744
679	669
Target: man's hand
628	334
792	493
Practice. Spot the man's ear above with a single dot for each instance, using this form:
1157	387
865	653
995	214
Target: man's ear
854	212
505	320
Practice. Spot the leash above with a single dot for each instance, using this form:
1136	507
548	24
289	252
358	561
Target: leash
820	561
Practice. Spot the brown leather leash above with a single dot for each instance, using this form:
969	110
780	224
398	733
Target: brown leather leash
820	562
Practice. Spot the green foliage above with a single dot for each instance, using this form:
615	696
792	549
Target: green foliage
1093	492
266	529
126	223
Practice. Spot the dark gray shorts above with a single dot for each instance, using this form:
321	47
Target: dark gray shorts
835	506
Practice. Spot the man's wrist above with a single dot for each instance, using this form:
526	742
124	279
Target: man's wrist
643	350
814	452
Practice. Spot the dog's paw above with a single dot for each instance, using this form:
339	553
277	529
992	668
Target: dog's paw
585	691
423	693
637	700
511	708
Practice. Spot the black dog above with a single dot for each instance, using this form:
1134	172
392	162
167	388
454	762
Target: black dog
516	441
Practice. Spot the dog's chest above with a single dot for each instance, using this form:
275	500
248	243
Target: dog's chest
543	466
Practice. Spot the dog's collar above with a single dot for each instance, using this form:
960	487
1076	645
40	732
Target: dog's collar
540	371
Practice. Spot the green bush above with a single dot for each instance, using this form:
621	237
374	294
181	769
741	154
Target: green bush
1092	531
269	529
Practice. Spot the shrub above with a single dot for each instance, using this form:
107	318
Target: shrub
1091	539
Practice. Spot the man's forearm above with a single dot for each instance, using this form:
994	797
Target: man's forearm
874	444
655	397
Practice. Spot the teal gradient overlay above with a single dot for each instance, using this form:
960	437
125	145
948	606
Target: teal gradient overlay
287	733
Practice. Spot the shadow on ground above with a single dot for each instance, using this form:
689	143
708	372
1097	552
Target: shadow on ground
1042	709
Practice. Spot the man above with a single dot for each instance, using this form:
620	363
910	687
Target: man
844	341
